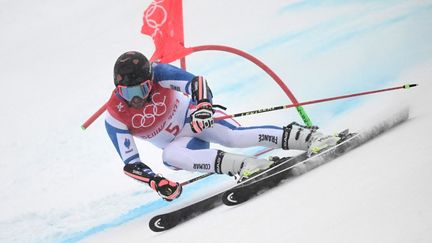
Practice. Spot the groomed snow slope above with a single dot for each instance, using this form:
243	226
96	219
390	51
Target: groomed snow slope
60	184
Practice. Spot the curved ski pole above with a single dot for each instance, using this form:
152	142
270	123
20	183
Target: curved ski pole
406	86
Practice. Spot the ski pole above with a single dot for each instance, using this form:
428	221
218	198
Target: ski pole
184	183
247	113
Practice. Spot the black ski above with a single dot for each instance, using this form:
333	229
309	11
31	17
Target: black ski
261	183
271	177
244	192
168	220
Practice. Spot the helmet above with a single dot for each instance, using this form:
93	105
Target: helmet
132	68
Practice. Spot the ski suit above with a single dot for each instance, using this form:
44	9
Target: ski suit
164	122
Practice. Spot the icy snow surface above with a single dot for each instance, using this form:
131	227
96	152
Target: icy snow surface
60	184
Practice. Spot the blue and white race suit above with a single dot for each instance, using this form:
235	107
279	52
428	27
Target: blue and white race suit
163	121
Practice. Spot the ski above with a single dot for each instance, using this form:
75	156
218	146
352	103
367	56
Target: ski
169	220
261	183
283	169
245	189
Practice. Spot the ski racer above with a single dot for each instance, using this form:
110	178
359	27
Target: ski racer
172	109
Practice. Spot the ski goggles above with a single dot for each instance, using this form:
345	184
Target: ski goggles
141	90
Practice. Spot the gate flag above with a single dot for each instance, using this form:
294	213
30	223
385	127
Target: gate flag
163	21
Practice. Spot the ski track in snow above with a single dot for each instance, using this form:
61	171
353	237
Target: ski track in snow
59	184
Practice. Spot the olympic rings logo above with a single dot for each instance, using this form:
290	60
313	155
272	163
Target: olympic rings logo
150	112
156	11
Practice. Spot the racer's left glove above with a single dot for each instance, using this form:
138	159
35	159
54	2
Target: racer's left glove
202	118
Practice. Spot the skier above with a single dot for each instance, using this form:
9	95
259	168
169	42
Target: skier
172	109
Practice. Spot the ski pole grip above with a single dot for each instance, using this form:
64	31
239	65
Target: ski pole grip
407	86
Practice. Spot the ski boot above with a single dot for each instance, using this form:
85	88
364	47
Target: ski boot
320	142
240	165
296	136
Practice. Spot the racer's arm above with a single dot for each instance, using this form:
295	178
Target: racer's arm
124	143
169	76
202	117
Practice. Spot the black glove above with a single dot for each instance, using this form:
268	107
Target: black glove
167	189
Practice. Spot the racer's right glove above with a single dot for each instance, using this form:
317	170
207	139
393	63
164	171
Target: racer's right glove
168	190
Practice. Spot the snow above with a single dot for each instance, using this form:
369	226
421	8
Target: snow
60	184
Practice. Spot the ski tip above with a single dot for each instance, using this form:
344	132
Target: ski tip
156	224
229	199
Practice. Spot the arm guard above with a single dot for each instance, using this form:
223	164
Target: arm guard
200	90
139	171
